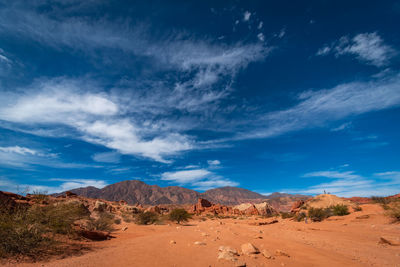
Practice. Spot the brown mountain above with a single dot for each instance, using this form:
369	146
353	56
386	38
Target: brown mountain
232	195
134	191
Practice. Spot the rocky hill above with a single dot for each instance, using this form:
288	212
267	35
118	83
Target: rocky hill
135	191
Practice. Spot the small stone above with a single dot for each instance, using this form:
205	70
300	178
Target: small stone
249	249
204	234
240	263
266	254
200	243
228	249
281	253
225	255
124	228
258	237
172	242
178	227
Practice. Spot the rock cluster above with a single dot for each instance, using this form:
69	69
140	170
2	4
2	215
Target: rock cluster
205	206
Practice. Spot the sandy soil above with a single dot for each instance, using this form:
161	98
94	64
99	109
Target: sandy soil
338	241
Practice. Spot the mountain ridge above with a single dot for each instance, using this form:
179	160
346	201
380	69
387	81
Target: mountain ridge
136	191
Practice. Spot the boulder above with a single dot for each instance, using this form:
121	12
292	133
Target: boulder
297	205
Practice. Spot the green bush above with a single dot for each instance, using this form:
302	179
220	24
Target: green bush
393	211
179	215
146	217
340	210
18	236
102	223
57	218
28	230
318	214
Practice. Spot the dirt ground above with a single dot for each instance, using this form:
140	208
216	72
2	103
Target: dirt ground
338	241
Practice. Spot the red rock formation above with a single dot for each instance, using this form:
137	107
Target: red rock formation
296	206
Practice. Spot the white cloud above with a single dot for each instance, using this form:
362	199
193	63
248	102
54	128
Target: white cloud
213	162
200	179
349	184
186	176
64	185
333	174
342	127
246	16
318	108
209	184
260	25
18	150
367	47
108	157
261	37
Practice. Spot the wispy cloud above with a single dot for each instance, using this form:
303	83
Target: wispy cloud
319	108
63	185
367	47
28	158
349	183
198	178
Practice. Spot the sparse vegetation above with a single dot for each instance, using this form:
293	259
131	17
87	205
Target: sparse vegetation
146	217
357	208
117	221
39	196
318	214
340	210
179	215
102	223
393	211
300	217
29	230
286	215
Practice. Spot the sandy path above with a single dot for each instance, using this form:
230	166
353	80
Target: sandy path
341	241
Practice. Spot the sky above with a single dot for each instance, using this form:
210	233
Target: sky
299	97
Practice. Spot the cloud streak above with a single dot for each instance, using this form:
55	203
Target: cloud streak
367	47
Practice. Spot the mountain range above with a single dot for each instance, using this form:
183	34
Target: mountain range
135	191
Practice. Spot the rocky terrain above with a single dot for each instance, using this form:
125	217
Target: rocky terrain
247	234
134	191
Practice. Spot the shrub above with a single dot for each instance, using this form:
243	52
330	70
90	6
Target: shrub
117	221
127	217
179	215
103	223
300	217
318	214
146	217
39	196
357	208
57	218
18	236
286	215
380	200
394	212
340	210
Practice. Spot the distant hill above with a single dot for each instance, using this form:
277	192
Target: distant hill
135	191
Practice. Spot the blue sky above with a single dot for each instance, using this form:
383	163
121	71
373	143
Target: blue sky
267	95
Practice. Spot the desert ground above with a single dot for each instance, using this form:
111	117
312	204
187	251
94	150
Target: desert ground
352	240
